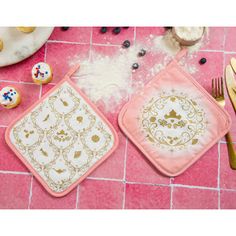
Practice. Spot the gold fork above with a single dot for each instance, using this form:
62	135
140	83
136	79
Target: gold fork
218	94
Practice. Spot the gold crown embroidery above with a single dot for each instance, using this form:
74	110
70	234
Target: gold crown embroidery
173	115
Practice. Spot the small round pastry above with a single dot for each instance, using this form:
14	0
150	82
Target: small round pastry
9	97
26	29
41	73
1	45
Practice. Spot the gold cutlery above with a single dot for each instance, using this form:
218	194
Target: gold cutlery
233	64
218	94
231	85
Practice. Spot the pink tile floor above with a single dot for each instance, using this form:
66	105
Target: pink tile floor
126	180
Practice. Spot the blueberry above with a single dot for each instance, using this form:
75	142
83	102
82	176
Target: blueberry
135	66
64	28
116	30
125	27
103	30
168	27
126	44
142	53
202	61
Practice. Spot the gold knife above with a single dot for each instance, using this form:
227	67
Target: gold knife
231	85
233	64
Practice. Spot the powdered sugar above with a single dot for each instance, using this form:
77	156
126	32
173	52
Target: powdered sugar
167	44
108	79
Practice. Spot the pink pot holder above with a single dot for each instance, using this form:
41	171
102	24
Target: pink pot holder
62	138
173	120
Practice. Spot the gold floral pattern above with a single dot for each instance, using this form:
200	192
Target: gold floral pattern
62	137
172	120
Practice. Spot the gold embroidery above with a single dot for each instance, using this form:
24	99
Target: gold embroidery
95	138
62	136
43	152
59	171
86	115
172	114
194	141
28	133
77	154
64	102
173	120
46	118
96	150
172	139
25	144
79	119
153	119
164	123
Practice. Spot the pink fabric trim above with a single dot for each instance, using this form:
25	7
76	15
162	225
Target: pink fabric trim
37	176
132	137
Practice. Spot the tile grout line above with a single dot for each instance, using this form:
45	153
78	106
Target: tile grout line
224	142
40	90
118	45
77	198
31	191
17	82
211	50
219	143
195	187
171	192
104	179
229	52
124	177
106	45
66	42
135	35
228	189
181	186
126	146
218	177
40	95
90	53
14	172
171	196
90	44
45	51
139	183
150	184
45	59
